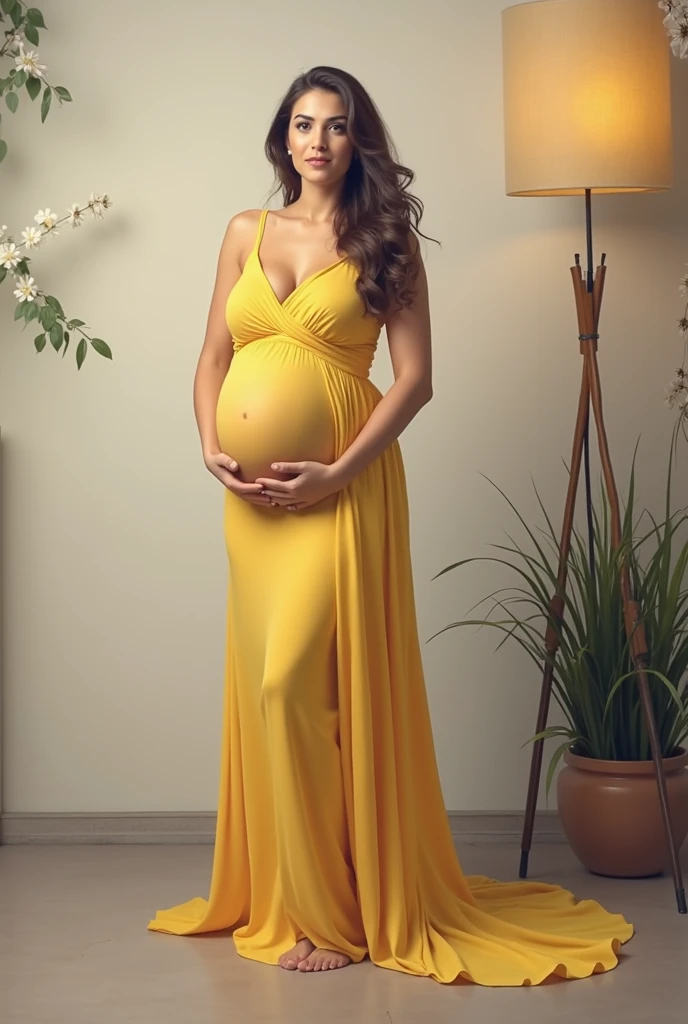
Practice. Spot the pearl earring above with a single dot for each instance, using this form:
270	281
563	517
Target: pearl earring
289	152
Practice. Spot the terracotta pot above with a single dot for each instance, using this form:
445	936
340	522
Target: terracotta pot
611	815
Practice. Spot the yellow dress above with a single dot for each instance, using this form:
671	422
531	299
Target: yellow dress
331	822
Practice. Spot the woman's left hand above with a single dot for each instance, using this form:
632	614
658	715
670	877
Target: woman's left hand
315	481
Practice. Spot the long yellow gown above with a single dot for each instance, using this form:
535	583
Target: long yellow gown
331	822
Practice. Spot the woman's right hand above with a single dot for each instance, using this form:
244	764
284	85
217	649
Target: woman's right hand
224	467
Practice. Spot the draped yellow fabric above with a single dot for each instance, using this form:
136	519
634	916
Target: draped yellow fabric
331	822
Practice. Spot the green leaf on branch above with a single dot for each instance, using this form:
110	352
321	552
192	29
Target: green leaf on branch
32	311
81	350
20	78
63	93
48	316
16	16
34	16
33	87
39	341
31	33
3	274
8	5
3	150
76	323
102	347
20	311
45	104
56	337
12	101
52	301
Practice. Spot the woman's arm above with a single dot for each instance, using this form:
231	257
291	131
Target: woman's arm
216	353
408	335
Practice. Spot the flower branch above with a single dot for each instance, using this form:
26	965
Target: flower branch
34	304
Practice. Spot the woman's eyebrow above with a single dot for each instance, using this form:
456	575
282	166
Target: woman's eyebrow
307	117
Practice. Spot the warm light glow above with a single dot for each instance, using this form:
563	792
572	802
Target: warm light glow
587	101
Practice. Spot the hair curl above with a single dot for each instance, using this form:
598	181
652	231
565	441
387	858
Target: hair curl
377	214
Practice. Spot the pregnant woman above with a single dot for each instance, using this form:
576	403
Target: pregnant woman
332	839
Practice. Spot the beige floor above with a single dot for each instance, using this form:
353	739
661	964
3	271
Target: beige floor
74	948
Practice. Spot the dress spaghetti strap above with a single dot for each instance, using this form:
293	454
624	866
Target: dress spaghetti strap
261	229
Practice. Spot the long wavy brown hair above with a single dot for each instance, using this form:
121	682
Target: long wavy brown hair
377	214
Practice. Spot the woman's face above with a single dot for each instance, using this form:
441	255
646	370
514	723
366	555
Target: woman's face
318	129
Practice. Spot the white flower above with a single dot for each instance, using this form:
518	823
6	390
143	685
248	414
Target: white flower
97	205
678	32
26	290
28	61
9	255
46	218
32	237
3	229
76	215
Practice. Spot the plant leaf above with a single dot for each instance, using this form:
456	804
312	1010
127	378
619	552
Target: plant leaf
56	337
102	347
31	33
34	16
33	87
45	103
82	349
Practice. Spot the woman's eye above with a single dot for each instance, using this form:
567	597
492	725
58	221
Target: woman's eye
305	124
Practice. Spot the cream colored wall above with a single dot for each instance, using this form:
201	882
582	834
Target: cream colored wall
113	556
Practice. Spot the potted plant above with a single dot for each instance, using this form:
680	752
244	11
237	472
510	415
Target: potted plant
607	793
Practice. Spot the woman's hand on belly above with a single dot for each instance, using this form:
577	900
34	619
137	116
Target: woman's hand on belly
224	468
313	481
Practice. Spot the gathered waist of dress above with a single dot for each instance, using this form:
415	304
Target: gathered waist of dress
355	360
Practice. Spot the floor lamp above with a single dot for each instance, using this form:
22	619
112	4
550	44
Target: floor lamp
587	111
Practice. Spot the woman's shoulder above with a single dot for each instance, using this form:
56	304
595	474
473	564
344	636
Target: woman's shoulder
246	221
240	234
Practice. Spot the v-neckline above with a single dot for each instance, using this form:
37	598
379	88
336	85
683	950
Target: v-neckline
306	280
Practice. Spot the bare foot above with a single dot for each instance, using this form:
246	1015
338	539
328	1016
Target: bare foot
324	960
293	957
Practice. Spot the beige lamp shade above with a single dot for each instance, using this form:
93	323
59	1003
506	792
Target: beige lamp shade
587	100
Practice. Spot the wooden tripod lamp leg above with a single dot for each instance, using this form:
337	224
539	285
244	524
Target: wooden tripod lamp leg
588	305
556	608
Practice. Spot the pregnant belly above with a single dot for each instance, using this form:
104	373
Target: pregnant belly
273	407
